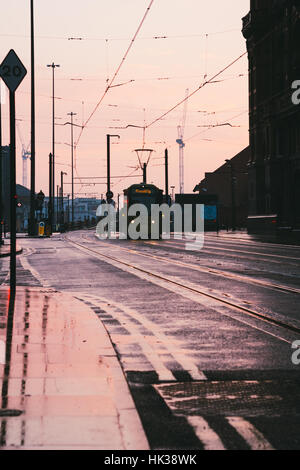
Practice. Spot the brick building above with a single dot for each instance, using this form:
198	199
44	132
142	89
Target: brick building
230	183
272	31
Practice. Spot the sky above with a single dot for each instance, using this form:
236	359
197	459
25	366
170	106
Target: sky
179	47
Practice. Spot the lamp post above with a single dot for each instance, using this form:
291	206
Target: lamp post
167	175
53	66
31	225
144	156
108	137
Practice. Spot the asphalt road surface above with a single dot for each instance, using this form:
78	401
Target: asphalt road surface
204	337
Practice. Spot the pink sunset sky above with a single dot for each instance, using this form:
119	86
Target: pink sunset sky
196	39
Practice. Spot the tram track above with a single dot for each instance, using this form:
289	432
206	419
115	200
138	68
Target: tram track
267	319
216	272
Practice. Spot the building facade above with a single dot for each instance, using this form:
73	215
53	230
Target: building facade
272	31
4	184
230	183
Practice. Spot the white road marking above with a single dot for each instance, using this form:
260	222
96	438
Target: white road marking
158	279
252	436
205	434
169	344
25	264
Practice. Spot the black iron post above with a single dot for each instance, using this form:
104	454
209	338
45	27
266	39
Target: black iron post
108	136
62	173
72	161
167	174
57	203
53	66
13	194
50	219
145	173
31	225
108	163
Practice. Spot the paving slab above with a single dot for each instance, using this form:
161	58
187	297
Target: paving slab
65	387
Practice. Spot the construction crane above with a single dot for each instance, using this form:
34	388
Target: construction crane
26	154
181	144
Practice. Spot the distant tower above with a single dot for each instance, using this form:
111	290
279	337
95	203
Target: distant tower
181	144
25	156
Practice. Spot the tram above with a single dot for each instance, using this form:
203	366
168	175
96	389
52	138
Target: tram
147	195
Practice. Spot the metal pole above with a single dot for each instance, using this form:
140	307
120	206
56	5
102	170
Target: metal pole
31	225
13	195
53	144
72	160
108	136
108	163
167	174
62	192
50	193
1	177
72	157
53	66
57	203
145	173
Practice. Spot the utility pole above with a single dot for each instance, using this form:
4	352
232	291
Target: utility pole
167	174
72	161
57	203
62	173
68	211
31	225
50	203
109	194
53	66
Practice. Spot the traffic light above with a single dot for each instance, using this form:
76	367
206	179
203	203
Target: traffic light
39	201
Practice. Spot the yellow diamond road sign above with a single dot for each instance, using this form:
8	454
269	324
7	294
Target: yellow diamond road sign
12	71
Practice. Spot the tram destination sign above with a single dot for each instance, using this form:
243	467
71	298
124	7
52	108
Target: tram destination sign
12	71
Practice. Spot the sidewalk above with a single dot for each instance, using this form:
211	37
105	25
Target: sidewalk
5	250
65	379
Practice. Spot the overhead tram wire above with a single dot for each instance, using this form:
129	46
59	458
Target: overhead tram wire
110	84
87	38
196	91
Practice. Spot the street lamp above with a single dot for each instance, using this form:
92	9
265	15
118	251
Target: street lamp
53	66
144	156
109	194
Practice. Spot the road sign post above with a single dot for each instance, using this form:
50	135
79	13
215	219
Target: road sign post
12	72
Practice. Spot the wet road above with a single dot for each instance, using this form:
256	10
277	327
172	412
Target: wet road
204	337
